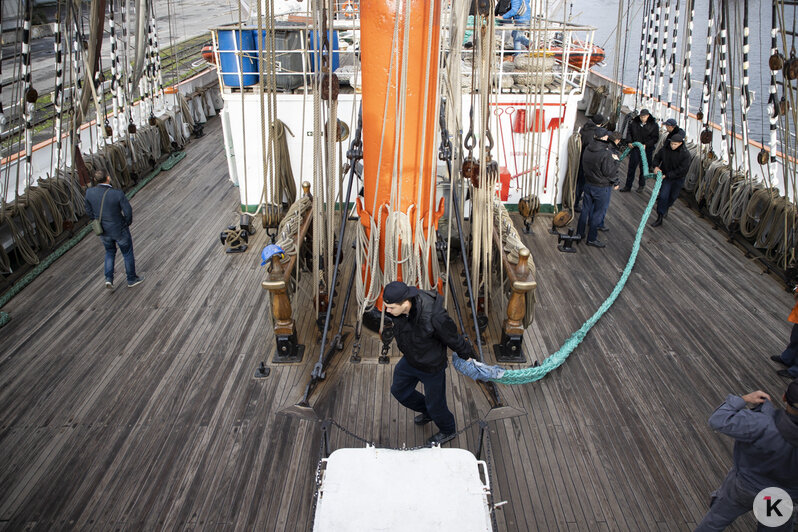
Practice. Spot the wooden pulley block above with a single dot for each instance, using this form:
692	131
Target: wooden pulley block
706	136
270	217
528	206
562	218
784	106
700	115
152	120
791	66
131	127
325	87
31	95
485	8
109	131
492	169
470	170
341	132
763	157
776	61
711	155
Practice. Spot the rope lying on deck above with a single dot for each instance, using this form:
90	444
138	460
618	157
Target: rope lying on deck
555	360
69	244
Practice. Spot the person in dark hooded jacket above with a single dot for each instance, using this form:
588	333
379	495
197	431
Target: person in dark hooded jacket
673	160
765	455
600	162
645	130
587	133
423	330
673	129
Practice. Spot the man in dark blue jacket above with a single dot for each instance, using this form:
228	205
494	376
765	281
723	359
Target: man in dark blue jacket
600	162
117	215
586	134
765	455
673	160
423	330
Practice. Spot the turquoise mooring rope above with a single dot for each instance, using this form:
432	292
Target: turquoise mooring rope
523	376
69	244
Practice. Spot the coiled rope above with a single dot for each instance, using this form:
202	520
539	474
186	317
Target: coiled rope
527	375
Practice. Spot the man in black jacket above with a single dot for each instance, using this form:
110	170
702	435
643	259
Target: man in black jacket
423	330
642	129
600	161
673	129
115	213
673	160
587	133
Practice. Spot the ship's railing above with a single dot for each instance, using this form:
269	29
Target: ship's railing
556	56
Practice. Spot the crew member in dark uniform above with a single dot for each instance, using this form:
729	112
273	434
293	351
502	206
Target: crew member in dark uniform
645	130
600	161
673	160
587	133
423	330
673	129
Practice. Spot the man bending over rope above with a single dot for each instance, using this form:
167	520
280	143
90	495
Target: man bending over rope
423	330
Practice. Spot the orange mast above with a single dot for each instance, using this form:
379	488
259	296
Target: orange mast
384	77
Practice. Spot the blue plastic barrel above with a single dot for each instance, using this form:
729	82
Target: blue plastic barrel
316	57
231	63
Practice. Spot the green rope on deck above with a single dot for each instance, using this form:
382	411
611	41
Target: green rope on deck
523	376
69	244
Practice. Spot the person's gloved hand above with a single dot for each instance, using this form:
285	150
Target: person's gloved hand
464	356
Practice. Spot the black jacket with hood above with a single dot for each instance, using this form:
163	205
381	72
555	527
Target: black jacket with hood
600	162
424	334
673	163
647	134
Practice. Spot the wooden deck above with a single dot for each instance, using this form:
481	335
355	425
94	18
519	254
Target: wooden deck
137	409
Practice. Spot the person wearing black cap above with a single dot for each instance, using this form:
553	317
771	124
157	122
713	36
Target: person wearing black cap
601	161
643	129
587	133
765	456
423	330
789	357
673	129
673	160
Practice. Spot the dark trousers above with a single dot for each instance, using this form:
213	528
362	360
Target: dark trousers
790	354
634	162
729	502
125	243
403	388
668	194
595	202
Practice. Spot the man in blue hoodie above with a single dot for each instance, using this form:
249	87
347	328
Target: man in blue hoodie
519	14
765	455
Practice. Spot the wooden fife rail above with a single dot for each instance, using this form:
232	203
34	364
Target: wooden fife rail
277	283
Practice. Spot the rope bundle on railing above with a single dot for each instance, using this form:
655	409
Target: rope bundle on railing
289	226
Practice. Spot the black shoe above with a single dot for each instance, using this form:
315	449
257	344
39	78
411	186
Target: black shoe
604	228
658	222
780	373
641	188
578	208
439	438
777	358
596	243
624	189
422	419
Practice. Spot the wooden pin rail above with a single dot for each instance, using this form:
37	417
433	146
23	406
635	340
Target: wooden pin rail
288	348
522	281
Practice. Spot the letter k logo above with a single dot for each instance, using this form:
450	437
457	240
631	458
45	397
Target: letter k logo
771	507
